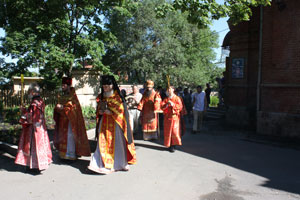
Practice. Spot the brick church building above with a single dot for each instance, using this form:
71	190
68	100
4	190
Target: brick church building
263	70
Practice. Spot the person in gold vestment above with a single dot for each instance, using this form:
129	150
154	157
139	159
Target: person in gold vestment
115	147
150	107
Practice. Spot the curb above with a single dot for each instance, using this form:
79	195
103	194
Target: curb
91	134
9	145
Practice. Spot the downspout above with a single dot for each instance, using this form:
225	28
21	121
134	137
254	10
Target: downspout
258	90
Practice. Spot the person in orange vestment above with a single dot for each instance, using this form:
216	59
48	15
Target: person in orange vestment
34	147
70	137
149	107
183	112
172	107
115	148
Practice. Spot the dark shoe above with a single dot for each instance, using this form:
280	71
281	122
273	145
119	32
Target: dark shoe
172	149
193	132
34	172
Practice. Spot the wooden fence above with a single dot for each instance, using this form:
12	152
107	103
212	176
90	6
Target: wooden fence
10	100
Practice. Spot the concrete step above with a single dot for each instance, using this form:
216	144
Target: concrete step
214	113
217	109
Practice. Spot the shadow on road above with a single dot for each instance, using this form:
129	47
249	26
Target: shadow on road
279	165
237	148
155	147
80	164
8	155
7	161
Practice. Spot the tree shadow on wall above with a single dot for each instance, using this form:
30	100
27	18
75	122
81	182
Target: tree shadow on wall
89	78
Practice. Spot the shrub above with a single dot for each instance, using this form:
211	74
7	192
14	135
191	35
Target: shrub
10	133
11	115
89	112
49	116
214	100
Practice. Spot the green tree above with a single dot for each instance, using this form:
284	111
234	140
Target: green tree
56	35
203	12
150	47
7	70
3	72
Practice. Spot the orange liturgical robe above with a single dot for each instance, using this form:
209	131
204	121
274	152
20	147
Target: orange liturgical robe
172	130
70	124
115	147
149	107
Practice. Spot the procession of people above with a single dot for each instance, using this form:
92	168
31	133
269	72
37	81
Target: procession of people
120	118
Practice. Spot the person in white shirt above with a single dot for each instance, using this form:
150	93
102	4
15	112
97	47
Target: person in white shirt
199	108
132	102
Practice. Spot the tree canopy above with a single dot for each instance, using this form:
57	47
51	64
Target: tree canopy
150	47
203	12
59	35
55	36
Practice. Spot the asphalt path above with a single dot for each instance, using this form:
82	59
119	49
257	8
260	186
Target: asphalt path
212	165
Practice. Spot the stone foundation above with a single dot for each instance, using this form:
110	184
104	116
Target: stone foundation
240	116
278	124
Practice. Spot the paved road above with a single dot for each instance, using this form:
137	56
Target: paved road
213	165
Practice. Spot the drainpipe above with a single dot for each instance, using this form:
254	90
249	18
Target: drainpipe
258	90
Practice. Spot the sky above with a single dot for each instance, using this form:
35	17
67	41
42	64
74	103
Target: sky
221	27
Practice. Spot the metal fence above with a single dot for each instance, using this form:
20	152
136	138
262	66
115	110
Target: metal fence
9	99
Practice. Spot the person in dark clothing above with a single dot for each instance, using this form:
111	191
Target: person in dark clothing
207	93
187	100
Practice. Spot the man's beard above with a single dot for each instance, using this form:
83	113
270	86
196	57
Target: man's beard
108	94
170	95
65	91
148	92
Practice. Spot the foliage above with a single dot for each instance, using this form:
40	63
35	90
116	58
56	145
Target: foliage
11	115
49	116
10	133
10	129
214	101
7	70
88	112
55	36
90	124
150	47
203	12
